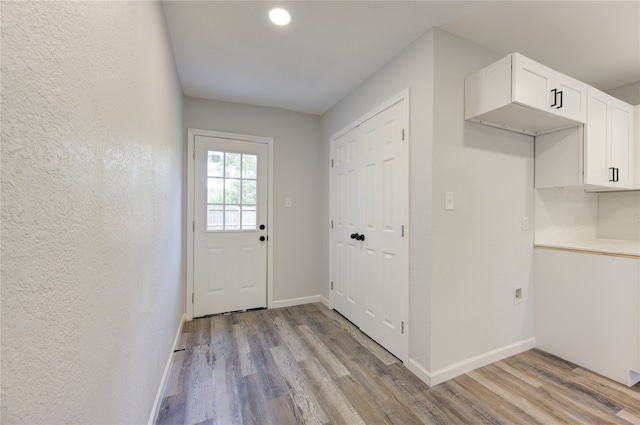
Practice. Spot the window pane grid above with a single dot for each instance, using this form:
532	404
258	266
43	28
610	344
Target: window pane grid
232	191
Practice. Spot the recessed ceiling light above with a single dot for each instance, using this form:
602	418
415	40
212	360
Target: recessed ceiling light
279	16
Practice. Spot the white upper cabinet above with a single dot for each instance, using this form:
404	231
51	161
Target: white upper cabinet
598	156
608	141
542	88
519	94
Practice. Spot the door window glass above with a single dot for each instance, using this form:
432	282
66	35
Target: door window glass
231	186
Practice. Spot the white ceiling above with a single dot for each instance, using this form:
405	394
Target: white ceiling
228	50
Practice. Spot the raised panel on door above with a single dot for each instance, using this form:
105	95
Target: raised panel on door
371	281
596	153
622	143
389	317
532	83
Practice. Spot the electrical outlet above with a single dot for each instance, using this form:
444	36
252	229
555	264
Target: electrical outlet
525	223
518	295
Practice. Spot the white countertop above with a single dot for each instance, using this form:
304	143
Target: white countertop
603	246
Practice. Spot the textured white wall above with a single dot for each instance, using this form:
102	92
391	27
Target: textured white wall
297	230
412	68
479	250
92	210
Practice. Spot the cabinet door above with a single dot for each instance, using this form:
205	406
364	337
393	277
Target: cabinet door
532	83
596	151
622	143
571	101
608	141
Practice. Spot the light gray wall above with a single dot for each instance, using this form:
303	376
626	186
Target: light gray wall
479	250
297	230
464	263
92	219
629	93
412	68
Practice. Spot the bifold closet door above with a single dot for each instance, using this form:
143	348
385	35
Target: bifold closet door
371	247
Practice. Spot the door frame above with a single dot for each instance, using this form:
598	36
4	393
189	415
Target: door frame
402	96
190	218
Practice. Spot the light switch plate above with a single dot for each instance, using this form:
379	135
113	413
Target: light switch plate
448	201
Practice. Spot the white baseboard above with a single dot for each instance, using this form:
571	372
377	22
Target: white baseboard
417	369
297	301
444	374
325	301
165	376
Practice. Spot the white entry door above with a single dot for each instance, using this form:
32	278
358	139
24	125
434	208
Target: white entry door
230	219
370	198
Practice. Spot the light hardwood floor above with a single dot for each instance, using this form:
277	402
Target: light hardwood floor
309	365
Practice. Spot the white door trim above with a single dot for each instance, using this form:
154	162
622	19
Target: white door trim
191	134
402	96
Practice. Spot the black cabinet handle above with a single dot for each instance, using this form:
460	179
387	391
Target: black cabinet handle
560	93
556	93
354	236
615	174
360	238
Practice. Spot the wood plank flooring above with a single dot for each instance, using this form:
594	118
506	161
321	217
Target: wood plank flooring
309	365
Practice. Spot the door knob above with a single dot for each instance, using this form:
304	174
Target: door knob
262	227
262	238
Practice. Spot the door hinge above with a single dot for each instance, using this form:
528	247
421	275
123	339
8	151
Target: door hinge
194	154
331	162
192	298
402	327
403	134
332	285
403	230
332	224
193	226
